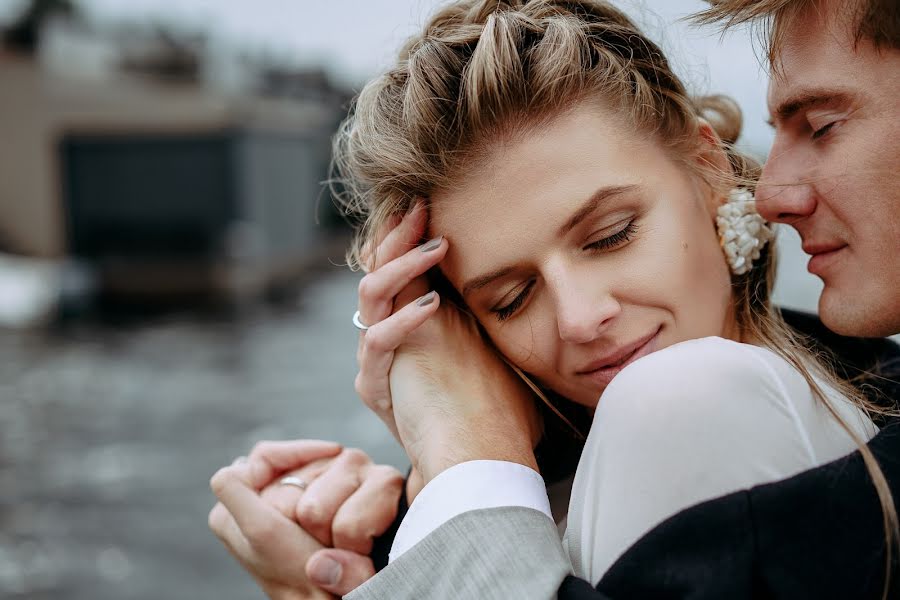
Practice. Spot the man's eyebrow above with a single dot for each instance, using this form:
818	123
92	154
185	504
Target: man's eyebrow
586	208
803	100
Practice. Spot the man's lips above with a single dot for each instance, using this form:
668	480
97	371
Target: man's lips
617	357
814	248
821	255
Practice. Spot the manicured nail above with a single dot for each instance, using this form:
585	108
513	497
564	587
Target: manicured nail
325	571
426	299
432	244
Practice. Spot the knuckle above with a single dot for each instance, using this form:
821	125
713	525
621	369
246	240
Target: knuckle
368	287
261	448
216	518
387	473
350	534
219	480
375	340
355	457
311	514
361	386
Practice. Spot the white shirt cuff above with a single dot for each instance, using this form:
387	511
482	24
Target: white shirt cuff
469	486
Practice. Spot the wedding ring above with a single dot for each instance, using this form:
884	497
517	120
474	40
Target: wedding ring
294	481
357	323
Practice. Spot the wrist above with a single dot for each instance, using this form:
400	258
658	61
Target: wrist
439	456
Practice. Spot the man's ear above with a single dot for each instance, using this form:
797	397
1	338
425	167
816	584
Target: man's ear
713	156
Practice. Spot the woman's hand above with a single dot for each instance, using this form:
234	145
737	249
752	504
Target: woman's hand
387	303
444	392
347	502
455	399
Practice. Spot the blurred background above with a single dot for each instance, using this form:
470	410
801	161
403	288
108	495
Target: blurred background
171	288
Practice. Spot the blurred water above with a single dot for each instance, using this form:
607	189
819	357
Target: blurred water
110	435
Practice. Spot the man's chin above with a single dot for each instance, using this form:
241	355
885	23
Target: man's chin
855	313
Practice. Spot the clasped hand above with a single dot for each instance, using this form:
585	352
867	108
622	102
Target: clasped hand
425	369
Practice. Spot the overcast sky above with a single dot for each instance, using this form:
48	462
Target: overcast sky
357	38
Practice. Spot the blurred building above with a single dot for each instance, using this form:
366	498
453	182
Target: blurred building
162	163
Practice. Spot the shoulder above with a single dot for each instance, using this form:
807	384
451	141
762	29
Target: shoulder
703	367
701	388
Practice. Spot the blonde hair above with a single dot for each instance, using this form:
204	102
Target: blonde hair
875	20
489	70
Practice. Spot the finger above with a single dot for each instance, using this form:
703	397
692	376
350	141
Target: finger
339	571
369	512
403	237
366	261
270	459
379	289
324	496
224	526
218	520
255	518
285	497
376	357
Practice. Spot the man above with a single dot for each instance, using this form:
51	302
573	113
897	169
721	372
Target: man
835	106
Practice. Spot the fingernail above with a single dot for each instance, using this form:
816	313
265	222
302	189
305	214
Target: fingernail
325	571
432	244
426	299
239	460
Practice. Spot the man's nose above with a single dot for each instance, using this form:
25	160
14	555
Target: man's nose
784	193
581	318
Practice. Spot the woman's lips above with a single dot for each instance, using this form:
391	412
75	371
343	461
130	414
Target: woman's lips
604	375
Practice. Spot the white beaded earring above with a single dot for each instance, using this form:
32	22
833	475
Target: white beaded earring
742	231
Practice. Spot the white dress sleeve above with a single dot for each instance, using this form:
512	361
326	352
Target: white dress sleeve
689	423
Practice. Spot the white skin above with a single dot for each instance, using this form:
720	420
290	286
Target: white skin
644	263
311	543
832	170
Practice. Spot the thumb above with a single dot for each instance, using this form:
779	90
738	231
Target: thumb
339	571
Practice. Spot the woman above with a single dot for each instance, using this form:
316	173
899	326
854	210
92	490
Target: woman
570	190
575	188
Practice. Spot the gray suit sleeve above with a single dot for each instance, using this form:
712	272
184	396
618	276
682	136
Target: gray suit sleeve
495	553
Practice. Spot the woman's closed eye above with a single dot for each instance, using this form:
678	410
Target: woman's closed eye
610	242
616	239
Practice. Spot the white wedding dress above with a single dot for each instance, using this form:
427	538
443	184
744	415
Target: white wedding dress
689	423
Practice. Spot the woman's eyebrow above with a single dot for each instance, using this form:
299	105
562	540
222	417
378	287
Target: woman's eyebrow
584	211
479	282
592	204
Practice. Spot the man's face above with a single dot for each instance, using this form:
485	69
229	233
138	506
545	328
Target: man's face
834	170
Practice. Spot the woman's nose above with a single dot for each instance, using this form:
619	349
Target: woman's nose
583	319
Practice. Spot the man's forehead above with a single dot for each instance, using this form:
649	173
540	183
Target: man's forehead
808	60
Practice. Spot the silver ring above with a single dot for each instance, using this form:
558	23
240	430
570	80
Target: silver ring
294	481
357	323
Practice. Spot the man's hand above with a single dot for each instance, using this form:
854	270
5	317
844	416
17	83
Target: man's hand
347	502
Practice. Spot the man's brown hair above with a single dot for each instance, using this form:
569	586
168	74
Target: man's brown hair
877	21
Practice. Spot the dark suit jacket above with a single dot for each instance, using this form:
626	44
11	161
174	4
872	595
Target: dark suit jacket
819	534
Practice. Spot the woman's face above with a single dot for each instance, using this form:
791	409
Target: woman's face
582	247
